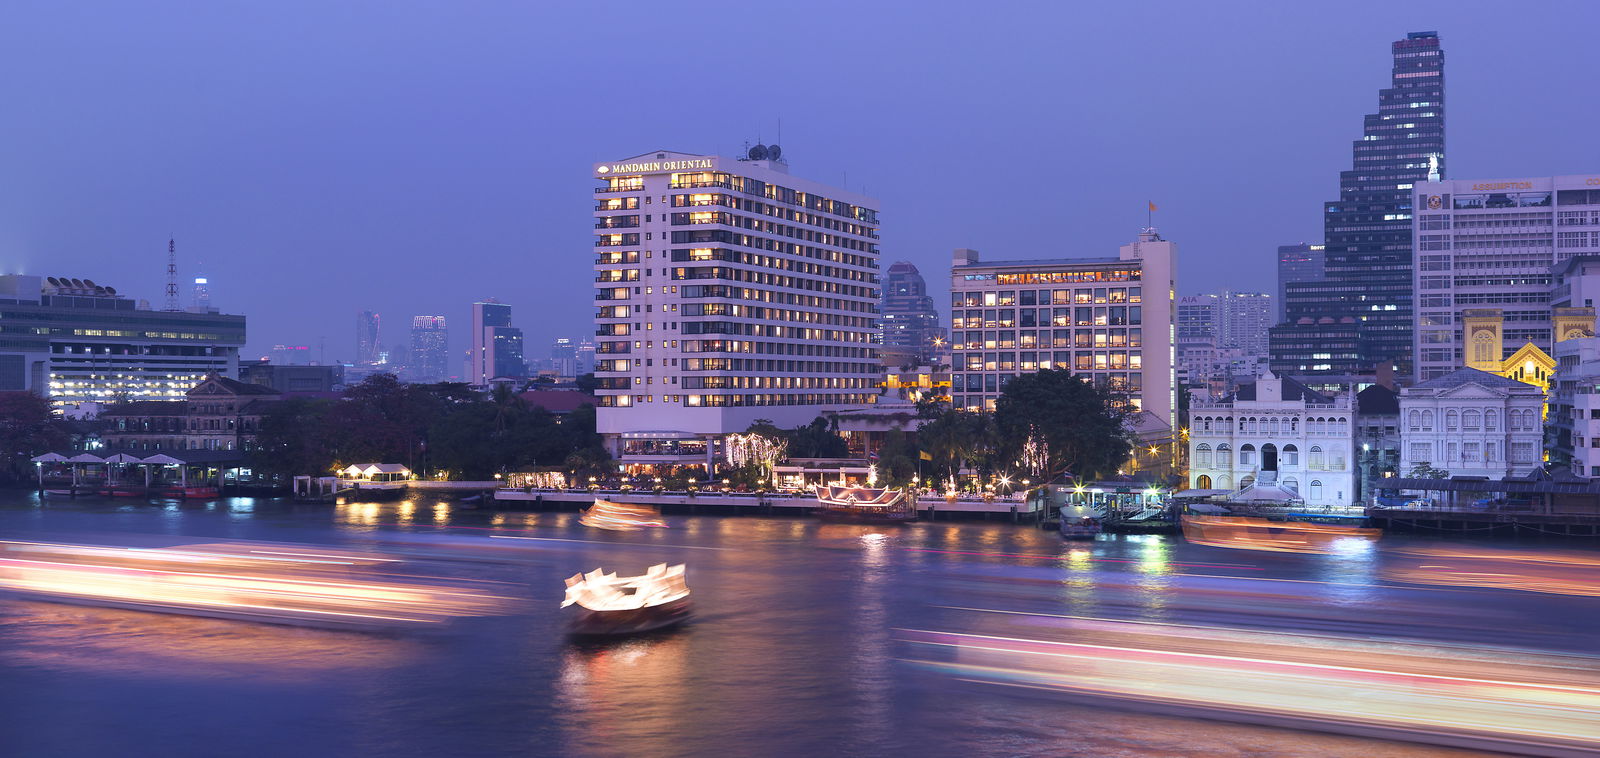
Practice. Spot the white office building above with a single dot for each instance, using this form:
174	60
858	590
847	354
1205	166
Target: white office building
1275	432
727	291
1487	246
1472	423
1109	319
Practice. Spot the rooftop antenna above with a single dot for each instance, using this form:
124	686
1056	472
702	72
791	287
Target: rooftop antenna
172	275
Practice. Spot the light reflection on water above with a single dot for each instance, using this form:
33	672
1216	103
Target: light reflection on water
792	651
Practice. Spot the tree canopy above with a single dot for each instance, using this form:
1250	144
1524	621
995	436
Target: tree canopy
1053	422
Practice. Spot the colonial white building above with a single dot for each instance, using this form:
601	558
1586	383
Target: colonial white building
1275	431
1472	423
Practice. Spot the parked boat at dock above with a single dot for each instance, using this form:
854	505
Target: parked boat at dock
865	505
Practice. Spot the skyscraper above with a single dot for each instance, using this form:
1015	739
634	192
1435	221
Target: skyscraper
727	291
1367	231
496	344
1297	263
907	318
1243	319
564	356
367	336
1197	318
430	350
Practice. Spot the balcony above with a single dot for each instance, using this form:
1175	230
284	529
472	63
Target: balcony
620	188
618	225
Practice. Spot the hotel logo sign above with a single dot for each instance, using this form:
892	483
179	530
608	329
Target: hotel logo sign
656	167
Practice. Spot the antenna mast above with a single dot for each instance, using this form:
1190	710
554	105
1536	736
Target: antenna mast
172	274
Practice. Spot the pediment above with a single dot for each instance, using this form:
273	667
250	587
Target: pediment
1471	391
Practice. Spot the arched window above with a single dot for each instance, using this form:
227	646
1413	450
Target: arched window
1224	482
1292	484
1246	482
1316	489
1471	421
1414	420
1202	456
1316	457
1291	455
1205	424
1427	420
1224	456
1202	482
1491	420
1294	426
1247	455
1450	420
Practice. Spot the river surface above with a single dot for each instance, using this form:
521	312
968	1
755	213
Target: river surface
793	651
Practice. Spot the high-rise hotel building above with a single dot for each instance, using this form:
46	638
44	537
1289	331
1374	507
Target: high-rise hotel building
1485	252
726	291
1109	319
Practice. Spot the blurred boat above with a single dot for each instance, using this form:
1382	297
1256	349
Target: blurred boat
609	605
865	505
1084	528
1247	533
281	584
620	517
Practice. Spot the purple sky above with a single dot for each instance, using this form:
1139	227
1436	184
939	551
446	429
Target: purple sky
323	158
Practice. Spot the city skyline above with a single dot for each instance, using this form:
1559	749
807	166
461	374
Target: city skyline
419	189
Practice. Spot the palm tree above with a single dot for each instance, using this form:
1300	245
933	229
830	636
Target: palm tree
507	403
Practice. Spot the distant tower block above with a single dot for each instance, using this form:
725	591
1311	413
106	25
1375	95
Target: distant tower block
202	295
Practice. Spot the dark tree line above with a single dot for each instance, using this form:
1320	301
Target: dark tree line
429	427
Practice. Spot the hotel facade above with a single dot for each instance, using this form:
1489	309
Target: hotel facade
727	291
1109	319
1485	252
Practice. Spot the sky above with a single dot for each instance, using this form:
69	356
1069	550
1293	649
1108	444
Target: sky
316	159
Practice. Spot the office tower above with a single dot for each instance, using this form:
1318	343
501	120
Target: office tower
84	343
727	291
1486	250
367	338
1243	319
585	356
1197	318
564	356
496	344
907	319
1297	263
1367	287
430	350
1110	319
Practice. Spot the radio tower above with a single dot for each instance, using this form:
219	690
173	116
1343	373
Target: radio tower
172	275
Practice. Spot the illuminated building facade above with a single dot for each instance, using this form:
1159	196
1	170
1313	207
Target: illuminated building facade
1275	431
1297	263
1484	278
368	335
78	342
430	350
218	413
727	291
1367	282
1111	320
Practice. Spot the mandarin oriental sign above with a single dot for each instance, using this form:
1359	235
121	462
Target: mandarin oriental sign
653	167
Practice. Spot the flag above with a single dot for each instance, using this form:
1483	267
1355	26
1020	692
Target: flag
924	455
1152	206
872	456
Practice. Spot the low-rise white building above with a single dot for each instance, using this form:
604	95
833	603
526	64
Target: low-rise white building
1472	423
1275	430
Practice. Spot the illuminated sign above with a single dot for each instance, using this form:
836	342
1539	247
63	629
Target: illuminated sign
656	167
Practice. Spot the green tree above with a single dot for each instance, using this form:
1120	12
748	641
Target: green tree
818	439
957	438
897	459
587	383
1425	470
1053	422
28	427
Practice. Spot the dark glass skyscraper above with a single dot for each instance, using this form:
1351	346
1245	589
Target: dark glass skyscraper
907	318
1367	231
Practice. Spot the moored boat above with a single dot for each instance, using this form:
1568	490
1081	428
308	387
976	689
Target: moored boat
608	605
865	505
1085	528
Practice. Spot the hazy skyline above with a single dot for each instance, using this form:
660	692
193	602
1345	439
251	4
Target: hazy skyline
410	159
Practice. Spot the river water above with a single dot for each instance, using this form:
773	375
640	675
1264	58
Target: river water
793	651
